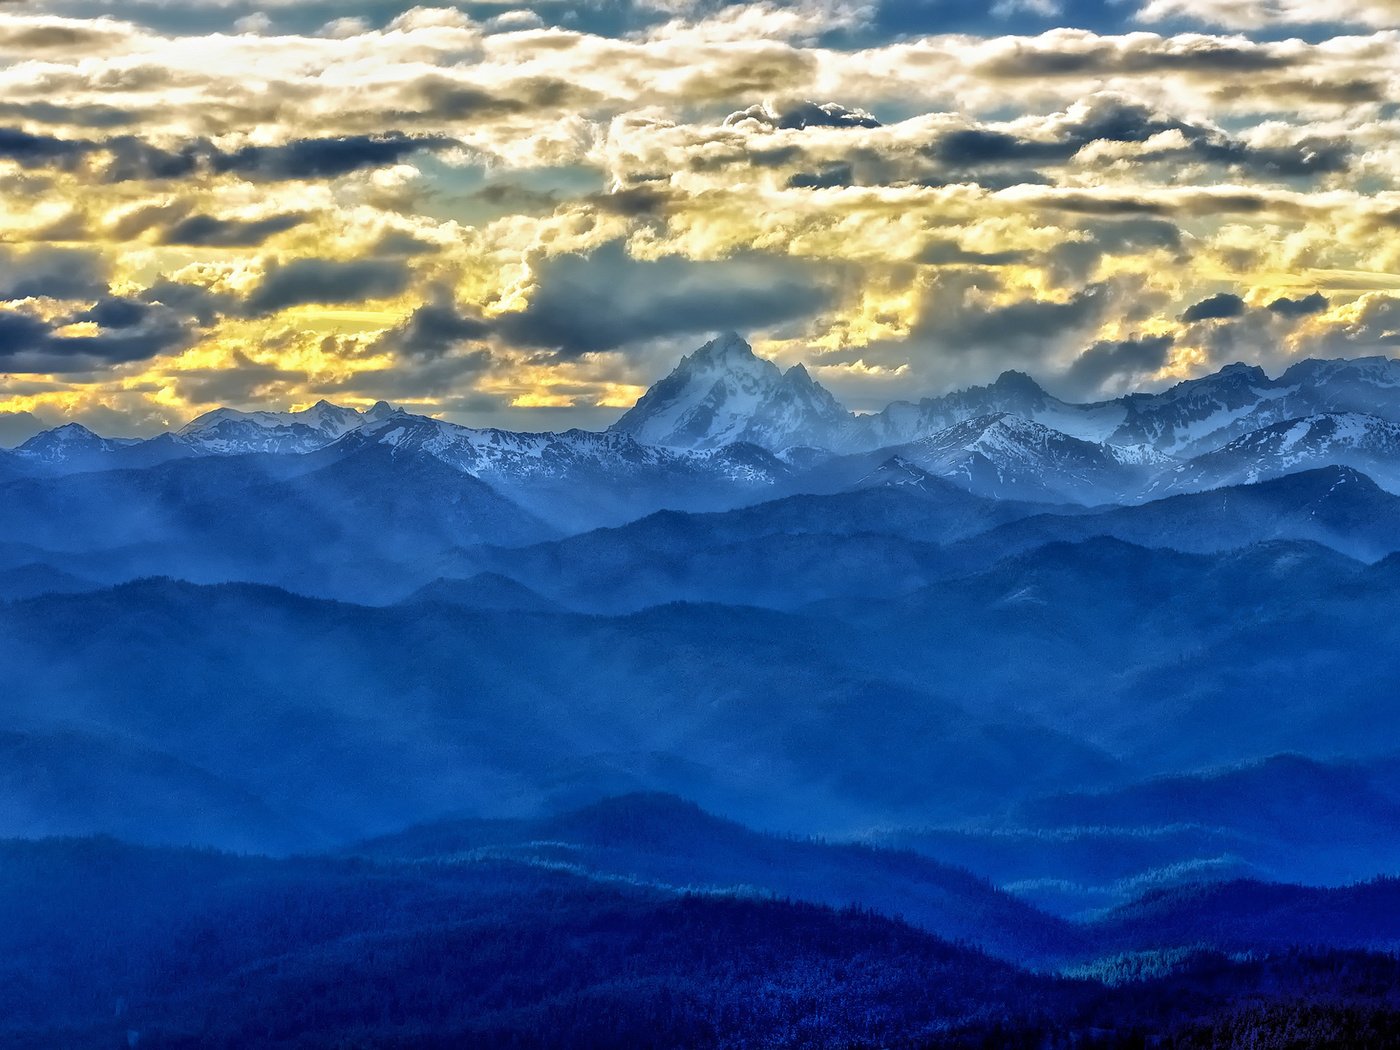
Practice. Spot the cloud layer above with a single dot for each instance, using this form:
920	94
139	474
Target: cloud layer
518	217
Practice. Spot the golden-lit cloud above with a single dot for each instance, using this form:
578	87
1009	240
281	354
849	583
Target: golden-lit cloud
519	221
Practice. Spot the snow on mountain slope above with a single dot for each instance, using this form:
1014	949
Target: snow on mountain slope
227	431
1008	457
579	478
506	455
722	394
1200	412
1188	419
67	442
726	426
1013	393
898	473
1346	439
1205	414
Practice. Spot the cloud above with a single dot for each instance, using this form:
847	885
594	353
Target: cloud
129	158
797	116
115	312
1110	119
1259	14
1025	192
241	382
43	272
1308	304
215	232
1372	327
126	332
304	281
1019	321
1075	53
829	178
1218	307
324	158
1115	365
940	252
30	150
607	299
970	327
18	427
434	330
199	303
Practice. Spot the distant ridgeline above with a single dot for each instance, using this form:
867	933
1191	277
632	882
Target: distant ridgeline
987	720
727	428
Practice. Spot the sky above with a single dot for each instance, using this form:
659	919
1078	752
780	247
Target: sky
521	215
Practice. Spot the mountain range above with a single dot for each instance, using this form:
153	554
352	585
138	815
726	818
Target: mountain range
987	720
726	428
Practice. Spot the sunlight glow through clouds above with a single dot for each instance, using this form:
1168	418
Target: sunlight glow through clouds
274	202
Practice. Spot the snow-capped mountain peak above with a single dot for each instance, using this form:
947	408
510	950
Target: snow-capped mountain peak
66	434
724	351
380	411
1354	440
722	393
1003	455
227	431
66	442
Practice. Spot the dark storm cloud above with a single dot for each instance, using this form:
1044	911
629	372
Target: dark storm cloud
116	312
20	331
88	115
434	330
247	382
31	151
634	202
304	281
1113	119
445	98
998	156
52	273
324	158
1020	321
162	319
1337	92
1037	60
127	158
830	178
743	73
32	344
964	335
415	379
401	243
1200	204
61	36
1135	235
973	147
200	304
1218	307
800	115
130	159
1124	360
950	253
1074	260
606	300
214	232
1308	304
1080	203
1374	329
